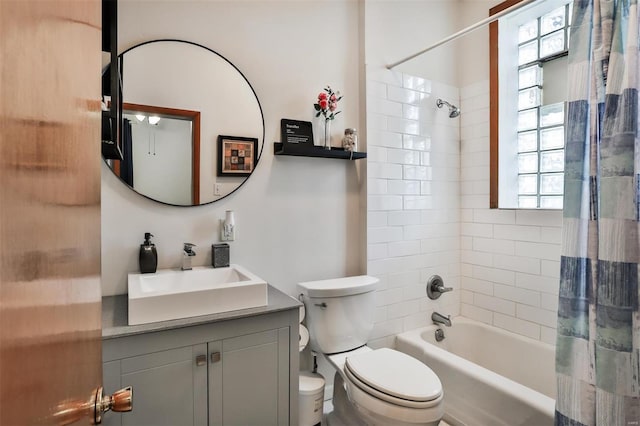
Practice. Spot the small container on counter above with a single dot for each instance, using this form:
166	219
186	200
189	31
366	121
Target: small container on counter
220	255
148	258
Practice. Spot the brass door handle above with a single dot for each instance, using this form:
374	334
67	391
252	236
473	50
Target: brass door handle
94	407
215	357
121	401
201	360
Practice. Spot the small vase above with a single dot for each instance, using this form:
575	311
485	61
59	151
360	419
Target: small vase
326	143
318	132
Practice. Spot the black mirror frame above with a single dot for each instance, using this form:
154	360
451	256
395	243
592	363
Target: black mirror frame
107	71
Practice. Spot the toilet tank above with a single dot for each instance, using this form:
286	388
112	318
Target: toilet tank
340	312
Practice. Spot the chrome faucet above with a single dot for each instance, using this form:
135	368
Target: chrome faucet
187	254
435	287
441	319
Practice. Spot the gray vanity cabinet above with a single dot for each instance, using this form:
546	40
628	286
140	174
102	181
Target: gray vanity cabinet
235	372
245	379
170	388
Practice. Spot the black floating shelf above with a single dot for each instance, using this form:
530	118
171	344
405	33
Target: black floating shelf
301	150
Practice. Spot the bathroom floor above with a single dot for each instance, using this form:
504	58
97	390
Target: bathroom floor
328	407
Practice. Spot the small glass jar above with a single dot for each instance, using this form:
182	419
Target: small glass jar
350	140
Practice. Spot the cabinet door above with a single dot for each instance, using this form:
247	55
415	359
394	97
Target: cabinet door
111	383
249	384
170	388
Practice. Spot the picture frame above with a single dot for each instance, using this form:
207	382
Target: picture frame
237	155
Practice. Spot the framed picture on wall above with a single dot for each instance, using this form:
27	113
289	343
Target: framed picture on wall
236	155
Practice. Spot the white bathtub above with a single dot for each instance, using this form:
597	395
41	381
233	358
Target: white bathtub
490	376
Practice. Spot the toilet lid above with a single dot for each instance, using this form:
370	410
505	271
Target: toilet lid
395	373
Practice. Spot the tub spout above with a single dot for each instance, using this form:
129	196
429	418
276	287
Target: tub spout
441	319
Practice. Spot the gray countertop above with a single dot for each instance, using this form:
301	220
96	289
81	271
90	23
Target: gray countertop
115	315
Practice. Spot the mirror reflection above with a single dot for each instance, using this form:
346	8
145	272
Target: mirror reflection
165	144
178	99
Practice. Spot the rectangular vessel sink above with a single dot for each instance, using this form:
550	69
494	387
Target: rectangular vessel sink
173	294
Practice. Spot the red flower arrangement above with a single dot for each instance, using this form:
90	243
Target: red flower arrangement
327	103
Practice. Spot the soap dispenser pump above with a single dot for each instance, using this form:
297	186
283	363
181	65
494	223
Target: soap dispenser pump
148	256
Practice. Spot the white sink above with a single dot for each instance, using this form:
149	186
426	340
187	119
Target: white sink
173	294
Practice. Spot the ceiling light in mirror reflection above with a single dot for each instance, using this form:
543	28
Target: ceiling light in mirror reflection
152	120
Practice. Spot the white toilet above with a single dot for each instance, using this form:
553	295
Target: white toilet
373	387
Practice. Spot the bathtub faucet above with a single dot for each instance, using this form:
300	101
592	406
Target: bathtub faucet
441	319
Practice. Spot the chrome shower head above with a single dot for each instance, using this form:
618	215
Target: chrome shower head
454	111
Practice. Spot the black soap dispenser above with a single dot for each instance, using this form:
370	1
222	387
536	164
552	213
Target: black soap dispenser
148	256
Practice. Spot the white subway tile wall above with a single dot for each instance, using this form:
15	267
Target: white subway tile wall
428	213
414	200
510	258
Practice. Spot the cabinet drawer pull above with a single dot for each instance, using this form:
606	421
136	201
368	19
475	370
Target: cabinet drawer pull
215	357
201	360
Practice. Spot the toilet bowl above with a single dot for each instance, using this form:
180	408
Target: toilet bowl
386	387
371	386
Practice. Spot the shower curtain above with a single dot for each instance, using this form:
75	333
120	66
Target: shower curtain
598	343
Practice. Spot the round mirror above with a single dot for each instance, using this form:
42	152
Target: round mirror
193	128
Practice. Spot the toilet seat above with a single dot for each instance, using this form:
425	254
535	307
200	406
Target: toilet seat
383	408
395	373
394	377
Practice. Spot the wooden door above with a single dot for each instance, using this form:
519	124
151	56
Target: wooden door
50	321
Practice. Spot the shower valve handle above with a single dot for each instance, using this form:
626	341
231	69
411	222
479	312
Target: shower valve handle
435	287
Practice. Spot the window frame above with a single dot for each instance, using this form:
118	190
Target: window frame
494	111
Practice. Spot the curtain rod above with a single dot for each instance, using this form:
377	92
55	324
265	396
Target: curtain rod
464	31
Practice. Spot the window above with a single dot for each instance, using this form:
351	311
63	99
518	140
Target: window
528	51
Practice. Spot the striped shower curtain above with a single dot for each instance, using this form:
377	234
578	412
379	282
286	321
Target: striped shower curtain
597	351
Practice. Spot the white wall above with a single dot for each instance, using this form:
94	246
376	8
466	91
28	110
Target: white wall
473	48
298	218
510	259
503	264
413	163
399	28
413	203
